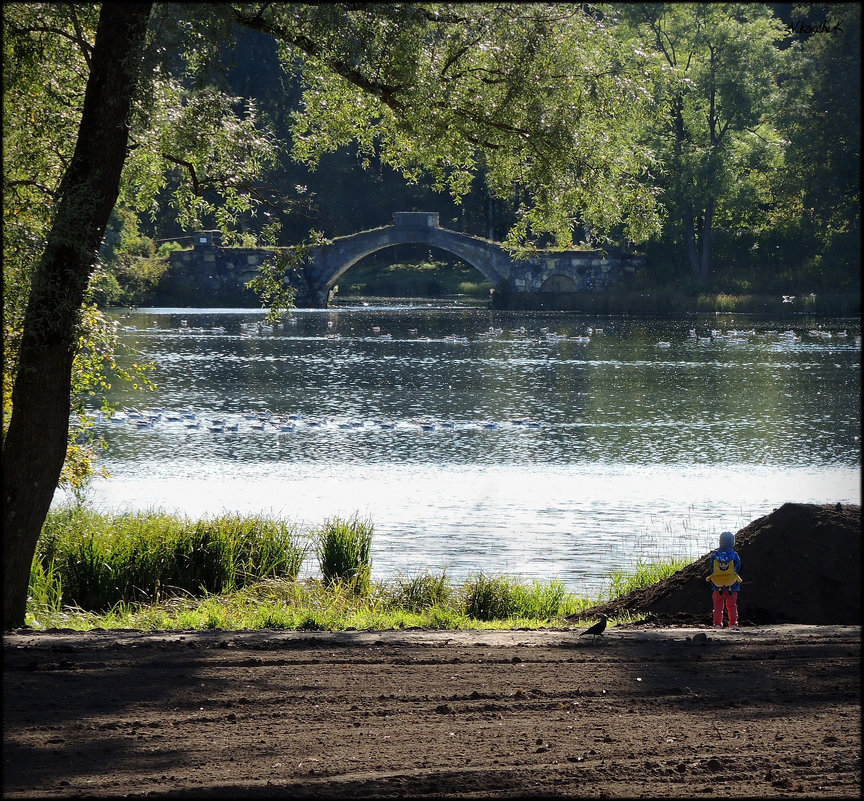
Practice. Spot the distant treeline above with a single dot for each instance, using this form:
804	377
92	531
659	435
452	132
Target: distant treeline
757	170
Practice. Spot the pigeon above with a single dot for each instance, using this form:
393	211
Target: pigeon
597	629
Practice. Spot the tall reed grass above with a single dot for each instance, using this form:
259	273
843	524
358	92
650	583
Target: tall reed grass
158	571
344	550
644	574
500	598
95	561
421	592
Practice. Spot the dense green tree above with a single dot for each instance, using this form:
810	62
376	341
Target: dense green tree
538	95
88	91
717	95
35	442
816	220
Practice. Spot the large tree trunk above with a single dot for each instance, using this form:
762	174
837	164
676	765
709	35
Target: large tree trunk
705	255
699	247
690	238
35	443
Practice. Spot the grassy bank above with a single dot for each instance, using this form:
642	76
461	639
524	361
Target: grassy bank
672	302
157	571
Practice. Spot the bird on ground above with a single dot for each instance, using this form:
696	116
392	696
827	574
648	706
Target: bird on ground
597	629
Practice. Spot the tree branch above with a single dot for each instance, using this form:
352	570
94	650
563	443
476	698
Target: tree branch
196	188
386	93
29	182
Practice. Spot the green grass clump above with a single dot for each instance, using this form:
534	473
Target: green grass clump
723	303
95	561
490	597
643	575
502	598
314	605
421	592
154	571
344	550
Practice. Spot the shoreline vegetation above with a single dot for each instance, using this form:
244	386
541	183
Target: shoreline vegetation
152	571
639	295
672	302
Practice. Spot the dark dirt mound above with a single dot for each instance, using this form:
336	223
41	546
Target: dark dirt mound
800	564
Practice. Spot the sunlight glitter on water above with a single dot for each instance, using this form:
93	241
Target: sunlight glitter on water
566	523
644	453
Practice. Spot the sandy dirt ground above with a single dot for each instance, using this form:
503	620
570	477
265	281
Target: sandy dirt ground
770	711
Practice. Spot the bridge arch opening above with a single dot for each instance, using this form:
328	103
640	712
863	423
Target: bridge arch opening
412	270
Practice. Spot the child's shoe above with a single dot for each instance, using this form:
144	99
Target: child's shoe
734	628
718	625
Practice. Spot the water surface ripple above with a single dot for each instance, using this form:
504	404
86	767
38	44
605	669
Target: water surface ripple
607	446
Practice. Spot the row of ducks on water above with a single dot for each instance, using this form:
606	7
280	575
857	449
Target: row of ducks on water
732	336
263	421
735	336
249	329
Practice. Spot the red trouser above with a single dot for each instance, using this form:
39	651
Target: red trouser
730	598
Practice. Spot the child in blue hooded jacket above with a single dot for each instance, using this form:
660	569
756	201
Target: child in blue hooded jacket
725	581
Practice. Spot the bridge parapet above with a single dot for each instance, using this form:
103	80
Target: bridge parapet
416	219
517	282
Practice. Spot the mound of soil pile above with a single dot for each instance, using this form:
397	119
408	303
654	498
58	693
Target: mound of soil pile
800	564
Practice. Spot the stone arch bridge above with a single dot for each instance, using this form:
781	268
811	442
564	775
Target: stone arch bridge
517	282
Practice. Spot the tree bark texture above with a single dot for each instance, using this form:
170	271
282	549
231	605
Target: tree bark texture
705	255
690	238
35	445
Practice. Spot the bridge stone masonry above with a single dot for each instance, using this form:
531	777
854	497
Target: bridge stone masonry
538	281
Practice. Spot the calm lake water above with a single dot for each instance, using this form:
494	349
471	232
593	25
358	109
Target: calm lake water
617	439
